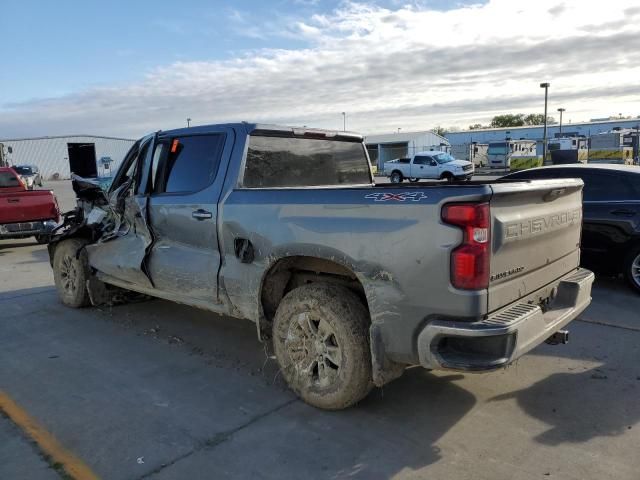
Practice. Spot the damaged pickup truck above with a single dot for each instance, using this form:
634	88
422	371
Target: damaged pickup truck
351	281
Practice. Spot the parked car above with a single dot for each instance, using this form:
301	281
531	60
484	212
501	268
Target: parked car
30	174
611	224
349	280
25	213
432	164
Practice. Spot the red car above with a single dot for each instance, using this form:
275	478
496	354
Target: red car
25	213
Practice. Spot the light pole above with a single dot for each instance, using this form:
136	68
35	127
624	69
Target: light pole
188	122
544	135
344	121
399	128
561	110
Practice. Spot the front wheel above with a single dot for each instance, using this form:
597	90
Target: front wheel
632	269
71	272
447	176
321	342
414	180
396	177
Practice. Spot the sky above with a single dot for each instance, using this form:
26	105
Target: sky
125	68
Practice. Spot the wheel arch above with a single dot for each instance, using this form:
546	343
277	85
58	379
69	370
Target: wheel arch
289	272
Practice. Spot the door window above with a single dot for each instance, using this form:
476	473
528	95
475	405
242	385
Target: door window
190	163
422	160
606	187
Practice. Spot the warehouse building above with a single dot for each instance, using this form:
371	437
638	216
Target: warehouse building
586	129
385	147
57	157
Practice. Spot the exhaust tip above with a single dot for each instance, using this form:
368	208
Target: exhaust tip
558	338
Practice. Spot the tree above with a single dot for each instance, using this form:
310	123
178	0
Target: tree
537	119
440	131
508	120
477	126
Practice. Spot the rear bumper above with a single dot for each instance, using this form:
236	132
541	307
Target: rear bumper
506	335
26	229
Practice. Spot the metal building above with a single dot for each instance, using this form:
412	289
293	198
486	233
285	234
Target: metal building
57	157
585	129
385	147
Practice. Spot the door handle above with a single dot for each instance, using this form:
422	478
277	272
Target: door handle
13	200
201	214
623	212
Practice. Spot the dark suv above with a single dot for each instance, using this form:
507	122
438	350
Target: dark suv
611	223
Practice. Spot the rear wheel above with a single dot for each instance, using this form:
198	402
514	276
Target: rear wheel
396	177
71	272
321	342
632	269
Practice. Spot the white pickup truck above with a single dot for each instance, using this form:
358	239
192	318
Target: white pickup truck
432	164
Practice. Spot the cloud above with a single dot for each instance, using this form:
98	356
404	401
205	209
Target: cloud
409	66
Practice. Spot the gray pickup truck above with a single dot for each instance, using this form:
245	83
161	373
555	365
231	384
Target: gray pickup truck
351	281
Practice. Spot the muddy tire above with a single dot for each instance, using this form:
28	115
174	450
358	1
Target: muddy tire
321	342
71	272
632	269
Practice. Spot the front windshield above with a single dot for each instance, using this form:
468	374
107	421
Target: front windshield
23	170
497	148
443	158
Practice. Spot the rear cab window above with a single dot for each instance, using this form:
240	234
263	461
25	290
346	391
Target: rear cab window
277	162
8	179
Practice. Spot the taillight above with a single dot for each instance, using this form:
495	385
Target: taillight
470	260
55	209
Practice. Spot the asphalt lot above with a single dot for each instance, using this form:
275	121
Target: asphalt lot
163	391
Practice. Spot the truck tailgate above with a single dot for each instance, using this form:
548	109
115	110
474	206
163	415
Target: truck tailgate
536	230
27	206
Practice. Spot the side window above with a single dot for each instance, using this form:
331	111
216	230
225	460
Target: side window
158	154
127	168
190	164
138	166
606	187
421	160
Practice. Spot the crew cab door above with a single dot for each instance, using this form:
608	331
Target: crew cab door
122	255
422	167
185	183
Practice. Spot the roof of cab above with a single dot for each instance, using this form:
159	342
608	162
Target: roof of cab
249	127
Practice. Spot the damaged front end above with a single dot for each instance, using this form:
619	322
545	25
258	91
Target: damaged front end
116	233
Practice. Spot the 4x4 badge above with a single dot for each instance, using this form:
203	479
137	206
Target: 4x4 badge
396	197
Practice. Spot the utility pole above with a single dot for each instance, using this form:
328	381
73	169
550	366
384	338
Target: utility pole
561	110
344	121
546	86
188	122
